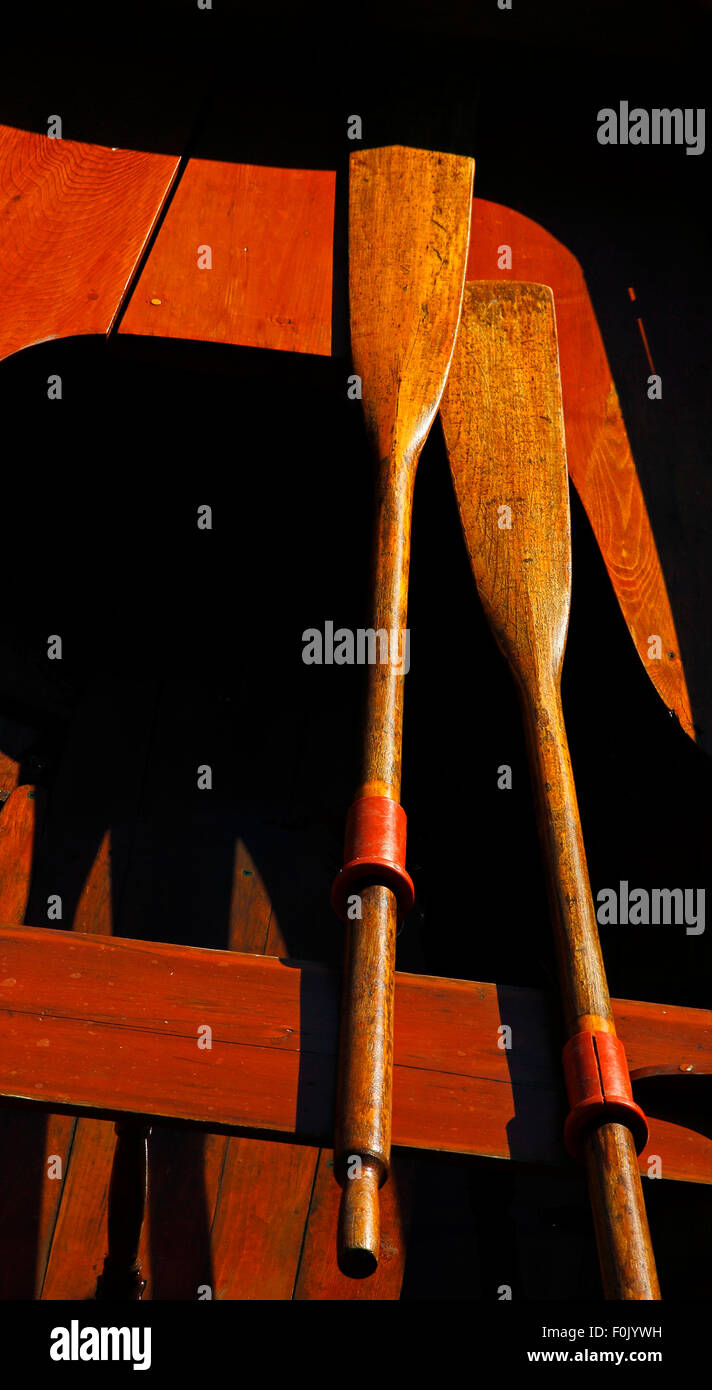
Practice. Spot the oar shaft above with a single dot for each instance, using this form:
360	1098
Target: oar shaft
363	1128
615	1190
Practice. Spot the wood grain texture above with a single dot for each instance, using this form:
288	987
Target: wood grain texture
409	218
504	431
262	1206
274	1234
599	457
74	220
270	233
81	862
275	1027
20	826
79	1238
220	1210
31	1145
9	775
260	1219
600	461
319	1275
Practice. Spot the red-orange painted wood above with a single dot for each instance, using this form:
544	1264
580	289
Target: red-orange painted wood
266	275
34	1147
206	1202
20	822
79	1238
167	1251
74	220
9	775
277	1211
184	1180
118	1018
265	1188
83	790
34	1150
599	457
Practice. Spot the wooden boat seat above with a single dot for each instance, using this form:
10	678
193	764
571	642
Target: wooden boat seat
245	1043
140	1031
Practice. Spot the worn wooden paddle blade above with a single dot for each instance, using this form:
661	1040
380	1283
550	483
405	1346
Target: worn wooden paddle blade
504	432
600	461
405	286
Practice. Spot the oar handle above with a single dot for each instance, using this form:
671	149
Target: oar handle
605	1121
362	1147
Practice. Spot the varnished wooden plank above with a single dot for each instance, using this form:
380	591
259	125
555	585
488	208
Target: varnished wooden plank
598	452
75	219
80	1237
260	1219
252	926
133	1009
265	1189
319	1274
96	791
184	1178
169	1251
266	278
33	1147
195	1179
9	775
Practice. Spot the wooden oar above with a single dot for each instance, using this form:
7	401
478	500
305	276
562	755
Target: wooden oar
409	218
504	433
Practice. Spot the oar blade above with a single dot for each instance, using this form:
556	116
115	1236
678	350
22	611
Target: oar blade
600	461
409	226
504	433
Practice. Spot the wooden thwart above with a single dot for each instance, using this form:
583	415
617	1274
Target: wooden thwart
74	220
110	1026
244	256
